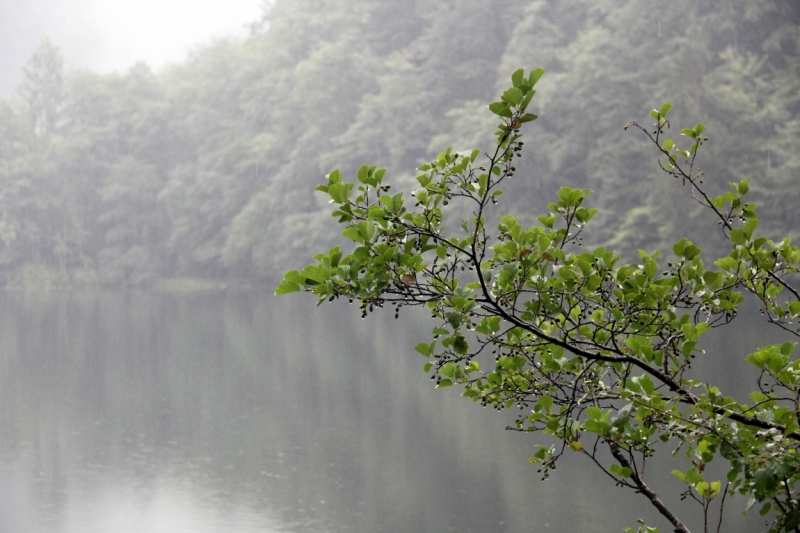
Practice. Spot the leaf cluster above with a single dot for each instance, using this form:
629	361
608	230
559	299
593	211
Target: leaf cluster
594	351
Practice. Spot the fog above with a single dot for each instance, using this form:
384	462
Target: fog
113	35
200	162
157	169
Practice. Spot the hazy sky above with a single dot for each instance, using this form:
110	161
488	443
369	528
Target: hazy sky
108	35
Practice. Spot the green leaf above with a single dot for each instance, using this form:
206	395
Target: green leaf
367	230
340	192
621	471
737	236
386	200
571	197
769	357
743	187
712	279
314	273
334	177
545	403
596	426
594	413
547	220
665	109
691	251
454	319
294	275
651	269
363	174
500	109
534	76
448	369
351	232
684	248
687	347
460	345
286	287
526	102
749	227
512	96
518	77
646	383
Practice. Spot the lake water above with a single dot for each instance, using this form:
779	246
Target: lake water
241	412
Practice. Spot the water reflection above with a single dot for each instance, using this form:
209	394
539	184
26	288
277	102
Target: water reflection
217	412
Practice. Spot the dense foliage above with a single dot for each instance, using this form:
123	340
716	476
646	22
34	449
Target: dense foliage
202	169
595	351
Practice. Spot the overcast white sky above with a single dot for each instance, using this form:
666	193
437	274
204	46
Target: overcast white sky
105	35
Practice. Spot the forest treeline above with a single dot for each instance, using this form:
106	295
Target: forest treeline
206	168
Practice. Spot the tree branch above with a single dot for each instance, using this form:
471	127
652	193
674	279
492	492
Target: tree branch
680	527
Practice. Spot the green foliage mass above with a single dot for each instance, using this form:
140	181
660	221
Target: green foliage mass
595	351
203	168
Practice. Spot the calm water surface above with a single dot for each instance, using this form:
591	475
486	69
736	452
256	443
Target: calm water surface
237	411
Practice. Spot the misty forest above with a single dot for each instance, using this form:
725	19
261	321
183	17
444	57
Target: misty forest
156	385
205	169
